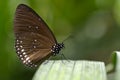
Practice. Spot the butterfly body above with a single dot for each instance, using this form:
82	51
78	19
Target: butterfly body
34	41
56	48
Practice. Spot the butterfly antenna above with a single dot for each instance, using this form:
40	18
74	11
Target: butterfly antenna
70	36
63	56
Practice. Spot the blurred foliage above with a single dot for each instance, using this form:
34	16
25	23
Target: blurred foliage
90	29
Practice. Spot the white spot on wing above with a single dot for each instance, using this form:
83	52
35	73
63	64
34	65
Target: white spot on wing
18	52
35	40
21	41
29	61
18	48
29	26
39	19
22	50
18	43
21	46
35	65
27	58
20	55
17	40
24	61
24	53
34	46
36	27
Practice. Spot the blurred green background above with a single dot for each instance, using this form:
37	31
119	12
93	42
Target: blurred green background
90	30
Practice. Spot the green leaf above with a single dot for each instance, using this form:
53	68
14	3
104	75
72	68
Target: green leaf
115	75
71	70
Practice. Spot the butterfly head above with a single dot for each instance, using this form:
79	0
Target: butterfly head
56	48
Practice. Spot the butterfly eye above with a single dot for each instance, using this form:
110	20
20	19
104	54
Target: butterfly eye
35	42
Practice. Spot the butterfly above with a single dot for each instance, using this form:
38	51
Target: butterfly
34	41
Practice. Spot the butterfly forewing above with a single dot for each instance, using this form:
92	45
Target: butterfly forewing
33	37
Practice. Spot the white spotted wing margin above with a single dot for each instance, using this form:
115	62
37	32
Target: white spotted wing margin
33	38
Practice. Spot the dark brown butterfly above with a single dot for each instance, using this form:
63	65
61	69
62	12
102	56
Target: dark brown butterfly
34	41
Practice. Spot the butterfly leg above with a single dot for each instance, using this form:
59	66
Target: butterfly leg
63	57
47	60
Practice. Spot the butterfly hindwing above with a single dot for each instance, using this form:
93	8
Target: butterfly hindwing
33	37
